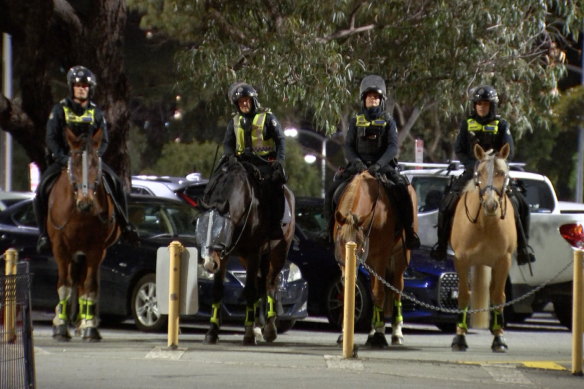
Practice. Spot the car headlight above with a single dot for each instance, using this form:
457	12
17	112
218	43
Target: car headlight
294	273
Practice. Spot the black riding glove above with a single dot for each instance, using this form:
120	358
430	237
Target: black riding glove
374	169
359	165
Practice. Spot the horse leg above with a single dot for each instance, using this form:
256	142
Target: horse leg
250	292
277	257
212	335
497	320
397	319
459	340
61	319
376	338
88	298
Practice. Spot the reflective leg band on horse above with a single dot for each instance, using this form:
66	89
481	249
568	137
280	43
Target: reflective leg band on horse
62	311
497	321
463	319
250	314
216	308
271	307
87	308
397	312
378	322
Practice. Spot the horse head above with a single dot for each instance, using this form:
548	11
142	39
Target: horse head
228	203
491	177
84	167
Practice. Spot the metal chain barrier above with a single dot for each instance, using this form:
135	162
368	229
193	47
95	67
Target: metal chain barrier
449	310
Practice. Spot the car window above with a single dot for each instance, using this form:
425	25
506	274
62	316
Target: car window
429	191
140	190
182	218
25	216
311	220
149	220
537	194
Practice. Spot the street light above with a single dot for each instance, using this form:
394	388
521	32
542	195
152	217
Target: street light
310	158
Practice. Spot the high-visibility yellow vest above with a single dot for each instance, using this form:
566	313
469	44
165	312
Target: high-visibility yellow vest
491	128
87	118
258	144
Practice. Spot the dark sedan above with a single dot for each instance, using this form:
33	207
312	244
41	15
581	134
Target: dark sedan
128	279
428	283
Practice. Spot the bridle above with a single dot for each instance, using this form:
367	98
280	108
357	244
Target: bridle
84	186
500	192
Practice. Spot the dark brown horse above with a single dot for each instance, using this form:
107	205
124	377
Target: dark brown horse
365	215
484	238
81	225
236	224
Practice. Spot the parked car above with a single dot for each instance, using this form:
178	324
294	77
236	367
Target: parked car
428	281
9	198
551	251
128	279
188	189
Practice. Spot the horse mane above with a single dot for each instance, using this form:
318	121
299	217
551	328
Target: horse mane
215	195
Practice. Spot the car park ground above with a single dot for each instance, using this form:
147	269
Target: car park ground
307	357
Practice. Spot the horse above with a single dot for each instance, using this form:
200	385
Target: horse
235	223
366	215
484	236
81	225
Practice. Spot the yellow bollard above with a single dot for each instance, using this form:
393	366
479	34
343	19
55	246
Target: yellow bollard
577	312
176	249
349	307
11	257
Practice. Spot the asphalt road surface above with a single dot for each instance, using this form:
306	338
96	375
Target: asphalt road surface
306	357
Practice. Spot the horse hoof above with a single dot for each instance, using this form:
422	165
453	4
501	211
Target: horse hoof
459	343
212	336
397	340
377	340
90	334
499	345
61	333
270	332
250	337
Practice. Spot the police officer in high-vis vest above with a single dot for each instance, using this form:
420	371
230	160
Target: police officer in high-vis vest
80	114
490	131
254	134
372	144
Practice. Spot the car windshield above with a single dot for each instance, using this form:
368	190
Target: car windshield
311	220
429	190
154	219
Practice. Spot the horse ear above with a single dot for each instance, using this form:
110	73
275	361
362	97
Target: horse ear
504	152
479	152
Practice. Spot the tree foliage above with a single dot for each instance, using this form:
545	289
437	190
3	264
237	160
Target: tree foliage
308	56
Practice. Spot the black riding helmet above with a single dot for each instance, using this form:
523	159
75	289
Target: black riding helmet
80	74
373	83
485	93
241	89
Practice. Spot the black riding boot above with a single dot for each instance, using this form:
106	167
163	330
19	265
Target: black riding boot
406	213
40	210
524	255
329	208
445	215
114	188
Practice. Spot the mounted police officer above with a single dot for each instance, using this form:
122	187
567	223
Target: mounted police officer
372	144
255	135
81	115
490	131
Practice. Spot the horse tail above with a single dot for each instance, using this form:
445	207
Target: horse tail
480	295
77	265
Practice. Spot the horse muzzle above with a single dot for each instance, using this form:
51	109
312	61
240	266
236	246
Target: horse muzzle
211	261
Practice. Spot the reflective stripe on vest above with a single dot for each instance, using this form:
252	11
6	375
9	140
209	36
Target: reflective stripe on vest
363	122
88	116
491	128
258	144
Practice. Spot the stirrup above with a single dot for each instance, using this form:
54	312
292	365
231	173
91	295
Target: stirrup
525	256
438	252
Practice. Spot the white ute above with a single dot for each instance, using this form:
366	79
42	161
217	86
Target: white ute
553	254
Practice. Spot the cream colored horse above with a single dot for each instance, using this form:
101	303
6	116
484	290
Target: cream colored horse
484	236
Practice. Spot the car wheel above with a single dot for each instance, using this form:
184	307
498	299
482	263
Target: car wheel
335	298
144	305
563	311
284	325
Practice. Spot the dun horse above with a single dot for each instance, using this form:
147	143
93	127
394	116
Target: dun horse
484	236
366	215
236	224
81	225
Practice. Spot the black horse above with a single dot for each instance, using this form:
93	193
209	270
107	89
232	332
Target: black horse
235	223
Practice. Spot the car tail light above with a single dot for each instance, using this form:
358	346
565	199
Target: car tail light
573	234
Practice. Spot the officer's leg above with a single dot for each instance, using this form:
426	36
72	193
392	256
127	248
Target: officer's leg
119	198
276	196
329	207
521	211
40	205
446	214
404	207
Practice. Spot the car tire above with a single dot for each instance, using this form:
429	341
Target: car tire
563	311
335	301
144	305
284	326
